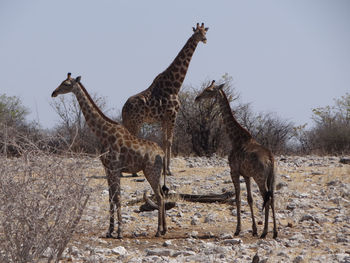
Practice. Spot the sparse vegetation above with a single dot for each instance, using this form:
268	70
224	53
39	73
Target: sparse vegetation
199	128
331	133
43	195
42	198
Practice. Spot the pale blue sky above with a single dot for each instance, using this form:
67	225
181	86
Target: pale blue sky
284	56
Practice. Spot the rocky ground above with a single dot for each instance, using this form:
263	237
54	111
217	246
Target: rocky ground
312	206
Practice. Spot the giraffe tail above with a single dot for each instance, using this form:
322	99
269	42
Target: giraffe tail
164	188
267	197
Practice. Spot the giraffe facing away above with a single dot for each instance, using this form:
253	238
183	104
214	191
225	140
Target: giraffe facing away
247	158
159	103
120	152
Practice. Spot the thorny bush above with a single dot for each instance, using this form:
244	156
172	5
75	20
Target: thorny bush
42	198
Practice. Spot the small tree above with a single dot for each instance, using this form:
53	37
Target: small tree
12	111
331	133
12	123
267	128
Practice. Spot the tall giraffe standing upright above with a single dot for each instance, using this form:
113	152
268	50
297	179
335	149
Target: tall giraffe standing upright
121	152
247	158
160	103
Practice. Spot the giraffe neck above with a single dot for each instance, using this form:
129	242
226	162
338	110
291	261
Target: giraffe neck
175	74
237	134
94	117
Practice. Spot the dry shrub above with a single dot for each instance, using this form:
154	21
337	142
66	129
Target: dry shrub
42	199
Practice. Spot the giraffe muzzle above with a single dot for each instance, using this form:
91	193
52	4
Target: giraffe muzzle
54	94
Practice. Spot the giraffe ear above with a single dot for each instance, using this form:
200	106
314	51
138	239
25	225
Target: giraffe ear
78	79
206	29
194	30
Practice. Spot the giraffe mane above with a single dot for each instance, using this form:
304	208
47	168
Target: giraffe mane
95	106
246	133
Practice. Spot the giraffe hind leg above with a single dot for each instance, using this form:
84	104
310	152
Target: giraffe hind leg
275	234
266	224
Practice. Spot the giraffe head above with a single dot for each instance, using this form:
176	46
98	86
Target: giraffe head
66	86
200	32
210	92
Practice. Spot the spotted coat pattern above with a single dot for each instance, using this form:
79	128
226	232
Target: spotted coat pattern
160	103
120	152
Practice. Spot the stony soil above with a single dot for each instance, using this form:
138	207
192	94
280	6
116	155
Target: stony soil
312	206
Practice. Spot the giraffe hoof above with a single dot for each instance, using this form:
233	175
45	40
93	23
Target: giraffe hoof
158	234
165	189
255	234
237	233
109	235
275	235
263	235
163	232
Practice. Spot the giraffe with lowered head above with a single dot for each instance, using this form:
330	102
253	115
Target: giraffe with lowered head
120	152
159	103
247	158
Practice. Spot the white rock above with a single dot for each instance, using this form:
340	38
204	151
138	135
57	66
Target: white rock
167	243
195	221
119	251
193	234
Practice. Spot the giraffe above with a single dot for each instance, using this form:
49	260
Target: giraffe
120	152
247	158
159	103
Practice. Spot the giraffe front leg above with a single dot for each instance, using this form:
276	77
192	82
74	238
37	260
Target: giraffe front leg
117	201
161	207
111	213
250	202
110	197
120	223
111	221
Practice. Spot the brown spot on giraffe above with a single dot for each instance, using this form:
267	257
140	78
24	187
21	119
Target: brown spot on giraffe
133	119
112	139
247	158
117	156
